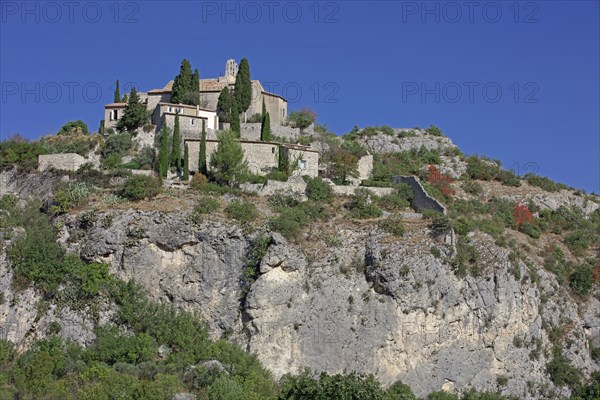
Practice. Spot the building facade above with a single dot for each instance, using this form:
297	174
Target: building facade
157	101
262	157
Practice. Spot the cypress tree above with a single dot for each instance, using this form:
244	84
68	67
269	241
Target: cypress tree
234	119
125	98
163	155
182	85
202	151
194	95
186	169
117	96
265	129
101	128
224	105
264	109
176	150
243	86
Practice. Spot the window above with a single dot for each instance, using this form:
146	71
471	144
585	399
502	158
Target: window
192	121
170	109
272	150
180	110
114	115
302	164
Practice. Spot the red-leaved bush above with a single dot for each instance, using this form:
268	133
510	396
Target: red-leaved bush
440	181
522	214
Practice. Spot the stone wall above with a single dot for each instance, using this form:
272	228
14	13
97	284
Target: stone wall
421	201
61	161
295	186
261	157
350	190
307	161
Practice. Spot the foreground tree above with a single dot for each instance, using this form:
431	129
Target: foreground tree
135	113
117	94
182	85
186	168
234	119
227	161
176	147
243	87
224	105
265	128
202	151
163	155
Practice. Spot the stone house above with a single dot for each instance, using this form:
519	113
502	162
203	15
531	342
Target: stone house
60	161
157	101
262	157
211	88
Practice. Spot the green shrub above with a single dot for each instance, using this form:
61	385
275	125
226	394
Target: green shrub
140	187
530	229
561	372
363	205
318	190
392	225
397	201
441	224
117	144
472	187
302	119
19	152
241	211
404	163
70	196
466	258
578	241
581	281
544	183
433	130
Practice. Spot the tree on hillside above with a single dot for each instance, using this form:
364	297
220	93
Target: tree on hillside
73	127
224	105
135	113
202	150
243	86
101	128
176	147
163	154
117	95
234	119
186	168
227	161
182	85
125	99
265	128
193	96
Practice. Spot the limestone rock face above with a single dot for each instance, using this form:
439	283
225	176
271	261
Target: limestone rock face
382	143
374	304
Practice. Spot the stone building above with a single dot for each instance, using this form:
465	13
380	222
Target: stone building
157	101
61	161
211	88
262	157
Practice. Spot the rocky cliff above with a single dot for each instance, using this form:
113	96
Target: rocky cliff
366	302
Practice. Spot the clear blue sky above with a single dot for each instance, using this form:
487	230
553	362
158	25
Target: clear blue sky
515	81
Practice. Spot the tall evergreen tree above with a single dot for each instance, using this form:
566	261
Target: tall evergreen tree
202	150
234	119
243	86
194	94
163	154
135	114
182	84
125	99
117	96
176	147
224	105
186	168
265	128
264	108
227	161
101	128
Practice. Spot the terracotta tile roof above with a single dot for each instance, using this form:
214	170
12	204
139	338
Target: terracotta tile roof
114	105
